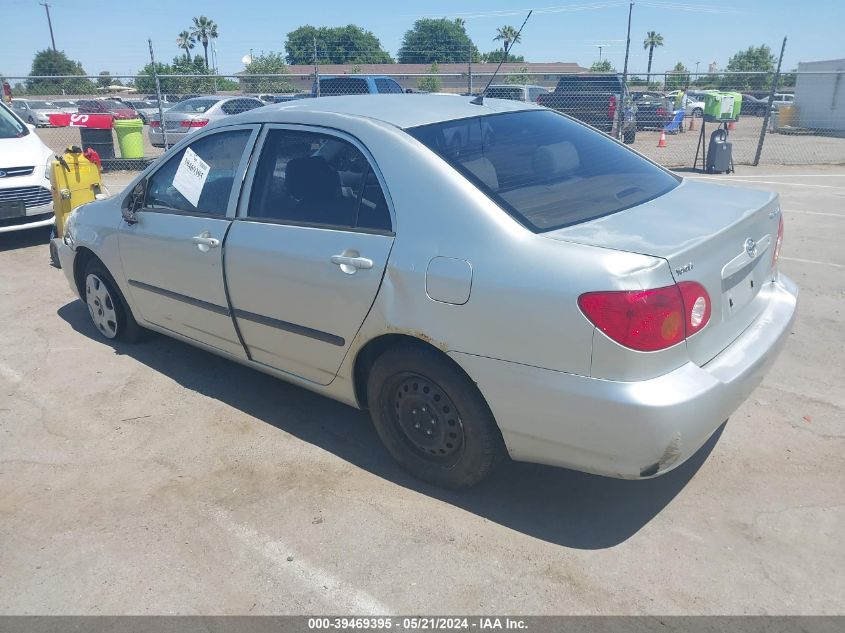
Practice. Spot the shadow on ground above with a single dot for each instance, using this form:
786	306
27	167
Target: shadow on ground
15	240
560	506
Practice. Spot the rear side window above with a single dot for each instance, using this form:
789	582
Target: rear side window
316	179
545	169
388	86
514	94
574	83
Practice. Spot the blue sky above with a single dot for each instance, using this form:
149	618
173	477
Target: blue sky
112	34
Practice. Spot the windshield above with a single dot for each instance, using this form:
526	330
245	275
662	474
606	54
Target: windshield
195	106
10	125
545	169
41	105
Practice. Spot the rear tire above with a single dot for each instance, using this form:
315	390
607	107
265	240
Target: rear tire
109	312
432	419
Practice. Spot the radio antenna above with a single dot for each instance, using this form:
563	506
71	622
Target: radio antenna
479	100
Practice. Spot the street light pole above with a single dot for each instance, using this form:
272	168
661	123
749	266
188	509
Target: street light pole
600	47
50	23
620	109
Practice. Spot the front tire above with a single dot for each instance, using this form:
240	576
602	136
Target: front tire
109	313
432	419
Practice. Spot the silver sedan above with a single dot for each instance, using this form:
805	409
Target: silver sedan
191	115
488	280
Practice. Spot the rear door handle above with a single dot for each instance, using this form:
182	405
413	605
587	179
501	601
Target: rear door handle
350	264
204	241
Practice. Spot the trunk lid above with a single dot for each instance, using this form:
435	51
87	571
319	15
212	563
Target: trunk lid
702	230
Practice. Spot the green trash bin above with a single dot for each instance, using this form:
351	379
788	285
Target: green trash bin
722	106
130	137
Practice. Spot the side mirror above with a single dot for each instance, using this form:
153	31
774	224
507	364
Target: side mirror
134	203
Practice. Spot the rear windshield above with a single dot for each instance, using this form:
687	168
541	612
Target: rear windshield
545	169
195	106
496	92
343	86
576	83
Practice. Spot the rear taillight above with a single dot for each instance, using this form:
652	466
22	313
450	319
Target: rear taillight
194	123
155	123
611	107
648	320
778	242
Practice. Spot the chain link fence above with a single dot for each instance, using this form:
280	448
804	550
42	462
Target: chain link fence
789	119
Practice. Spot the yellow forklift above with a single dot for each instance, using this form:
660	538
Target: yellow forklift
75	178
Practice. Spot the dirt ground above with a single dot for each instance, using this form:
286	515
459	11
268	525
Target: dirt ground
159	479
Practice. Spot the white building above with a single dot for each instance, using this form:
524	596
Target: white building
820	95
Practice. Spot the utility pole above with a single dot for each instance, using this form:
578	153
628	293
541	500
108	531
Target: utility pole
469	70
625	69
600	47
50	23
316	70
158	94
772	91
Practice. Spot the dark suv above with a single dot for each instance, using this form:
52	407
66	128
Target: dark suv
602	101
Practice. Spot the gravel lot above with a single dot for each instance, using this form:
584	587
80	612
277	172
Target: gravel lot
158	478
779	149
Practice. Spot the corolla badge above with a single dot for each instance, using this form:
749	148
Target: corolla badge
683	269
751	248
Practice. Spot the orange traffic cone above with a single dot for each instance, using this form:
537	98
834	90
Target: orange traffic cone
731	125
662	142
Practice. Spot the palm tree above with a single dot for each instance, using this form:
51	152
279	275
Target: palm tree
185	40
653	39
204	29
508	36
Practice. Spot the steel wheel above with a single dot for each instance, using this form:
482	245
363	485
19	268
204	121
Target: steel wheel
427	419
101	306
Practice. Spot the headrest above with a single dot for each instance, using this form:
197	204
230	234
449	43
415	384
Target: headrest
484	170
311	179
555	160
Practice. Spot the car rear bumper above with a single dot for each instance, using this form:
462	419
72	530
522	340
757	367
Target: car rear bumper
630	429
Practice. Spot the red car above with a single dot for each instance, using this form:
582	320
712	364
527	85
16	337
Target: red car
106	106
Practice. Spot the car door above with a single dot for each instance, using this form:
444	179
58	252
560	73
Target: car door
173	256
306	255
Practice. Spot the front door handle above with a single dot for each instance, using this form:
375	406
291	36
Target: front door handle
204	241
350	264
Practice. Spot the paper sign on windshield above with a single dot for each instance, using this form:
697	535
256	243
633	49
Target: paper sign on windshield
191	176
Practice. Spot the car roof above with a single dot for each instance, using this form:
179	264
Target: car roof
401	110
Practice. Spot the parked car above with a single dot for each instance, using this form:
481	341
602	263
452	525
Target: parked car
782	99
25	198
754	106
190	115
144	109
107	106
692	103
526	93
652	112
35	112
601	101
293	97
67	106
540	291
335	86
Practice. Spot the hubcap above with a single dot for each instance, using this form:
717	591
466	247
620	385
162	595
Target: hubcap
427	418
101	306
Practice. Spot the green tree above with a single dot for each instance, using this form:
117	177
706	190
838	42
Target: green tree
678	78
49	62
520	76
348	44
652	40
603	66
753	59
185	41
494	57
193	77
104	79
431	82
204	30
436	40
508	36
267	64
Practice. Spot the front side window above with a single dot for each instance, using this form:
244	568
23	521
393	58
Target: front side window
222	152
10	125
310	178
545	169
